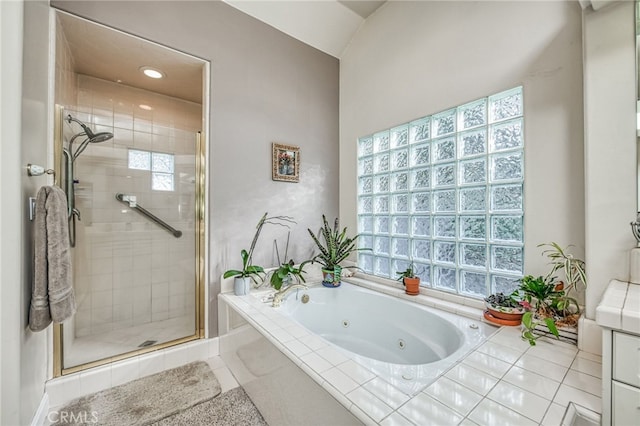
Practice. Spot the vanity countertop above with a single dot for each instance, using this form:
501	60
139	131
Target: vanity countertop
620	307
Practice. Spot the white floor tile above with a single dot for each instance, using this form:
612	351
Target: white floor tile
586	366
369	403
356	371
584	382
541	366
424	410
554	415
590	356
339	380
522	401
467	422
510	336
540	385
553	353
215	362
453	395
567	394
500	351
396	419
317	363
491	413
472	378
313	342
332	355
225	378
386	392
486	363
297	348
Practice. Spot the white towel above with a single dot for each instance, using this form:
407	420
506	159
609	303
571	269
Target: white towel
52	295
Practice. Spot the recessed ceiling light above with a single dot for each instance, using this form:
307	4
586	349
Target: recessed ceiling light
145	107
152	72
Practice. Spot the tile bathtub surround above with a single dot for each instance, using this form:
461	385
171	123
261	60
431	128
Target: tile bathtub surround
502	381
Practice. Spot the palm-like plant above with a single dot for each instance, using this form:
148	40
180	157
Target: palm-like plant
561	260
337	246
248	269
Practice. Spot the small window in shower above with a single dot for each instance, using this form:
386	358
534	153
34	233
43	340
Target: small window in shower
139	160
160	165
162	168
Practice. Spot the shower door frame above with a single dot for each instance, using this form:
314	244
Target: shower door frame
200	230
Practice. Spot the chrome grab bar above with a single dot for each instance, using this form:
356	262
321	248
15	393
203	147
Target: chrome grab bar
130	200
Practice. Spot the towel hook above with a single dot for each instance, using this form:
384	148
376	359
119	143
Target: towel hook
35	170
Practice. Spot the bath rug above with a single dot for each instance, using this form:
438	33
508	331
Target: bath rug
232	408
146	400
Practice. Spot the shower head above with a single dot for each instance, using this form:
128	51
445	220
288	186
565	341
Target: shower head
91	137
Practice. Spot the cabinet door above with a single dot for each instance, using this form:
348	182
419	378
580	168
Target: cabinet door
626	358
626	404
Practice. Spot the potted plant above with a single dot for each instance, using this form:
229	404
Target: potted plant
249	271
504	309
410	280
553	310
287	270
335	247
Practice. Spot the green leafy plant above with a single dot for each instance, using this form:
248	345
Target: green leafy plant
539	291
248	268
530	323
411	272
503	300
287	270
336	245
563	261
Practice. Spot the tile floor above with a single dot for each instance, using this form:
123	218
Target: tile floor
103	345
502	381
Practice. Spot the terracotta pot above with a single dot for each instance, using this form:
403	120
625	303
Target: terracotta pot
411	285
559	286
509	314
500	321
332	277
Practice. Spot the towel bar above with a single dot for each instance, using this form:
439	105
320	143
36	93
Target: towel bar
35	170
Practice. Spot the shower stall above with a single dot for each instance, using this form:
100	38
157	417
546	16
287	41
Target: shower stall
131	161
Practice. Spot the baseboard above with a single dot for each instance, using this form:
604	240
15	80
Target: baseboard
589	336
40	417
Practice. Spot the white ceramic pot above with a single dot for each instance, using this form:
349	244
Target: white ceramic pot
241	286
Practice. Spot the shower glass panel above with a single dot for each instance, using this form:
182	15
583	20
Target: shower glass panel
135	257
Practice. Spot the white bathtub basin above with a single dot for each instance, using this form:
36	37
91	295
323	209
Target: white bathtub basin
408	344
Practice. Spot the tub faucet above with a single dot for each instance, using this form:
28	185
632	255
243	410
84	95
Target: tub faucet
279	296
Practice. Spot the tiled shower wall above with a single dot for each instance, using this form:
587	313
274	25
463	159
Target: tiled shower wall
129	271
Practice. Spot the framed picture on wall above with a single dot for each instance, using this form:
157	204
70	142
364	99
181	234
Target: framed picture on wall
285	163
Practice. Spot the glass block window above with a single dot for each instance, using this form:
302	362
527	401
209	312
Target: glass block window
446	192
159	164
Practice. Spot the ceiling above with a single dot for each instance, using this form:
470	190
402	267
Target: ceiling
121	56
327	25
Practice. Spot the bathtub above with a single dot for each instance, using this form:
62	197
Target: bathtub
406	344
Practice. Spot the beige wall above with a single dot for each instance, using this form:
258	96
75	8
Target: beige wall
412	59
610	144
11	282
265	87
26	356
